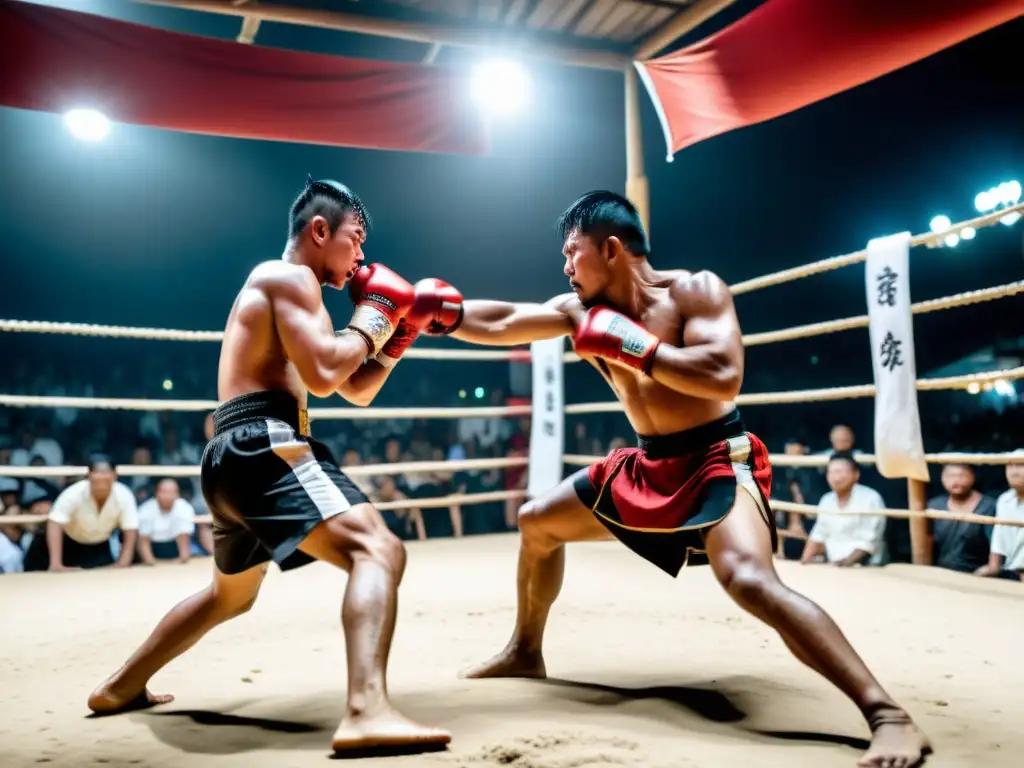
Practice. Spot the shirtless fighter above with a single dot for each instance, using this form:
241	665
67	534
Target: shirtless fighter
277	494
669	345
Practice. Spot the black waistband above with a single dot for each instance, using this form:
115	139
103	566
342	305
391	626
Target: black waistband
254	406
689	440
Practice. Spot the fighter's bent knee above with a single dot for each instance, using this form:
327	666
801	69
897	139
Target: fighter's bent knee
746	580
386	548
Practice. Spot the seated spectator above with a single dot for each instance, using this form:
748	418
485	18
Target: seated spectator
82	520
1006	556
961	546
404	523
166	525
847	540
799	485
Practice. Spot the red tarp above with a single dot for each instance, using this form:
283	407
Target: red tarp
53	60
787	54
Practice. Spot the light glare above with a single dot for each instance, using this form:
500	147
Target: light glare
87	124
501	86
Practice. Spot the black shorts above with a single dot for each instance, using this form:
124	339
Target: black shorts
267	484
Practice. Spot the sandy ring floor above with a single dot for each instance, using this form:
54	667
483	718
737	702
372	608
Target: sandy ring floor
663	673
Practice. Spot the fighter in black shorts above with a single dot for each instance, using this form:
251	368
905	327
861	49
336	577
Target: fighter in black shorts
277	494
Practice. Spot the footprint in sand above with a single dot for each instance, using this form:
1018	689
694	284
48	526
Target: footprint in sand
559	750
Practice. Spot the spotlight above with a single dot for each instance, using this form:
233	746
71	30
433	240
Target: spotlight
967	233
87	124
940	223
478	393
502	87
168	385
952	241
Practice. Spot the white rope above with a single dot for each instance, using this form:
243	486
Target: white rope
905	514
845	324
348	413
454	500
362	470
929	239
787	460
828	393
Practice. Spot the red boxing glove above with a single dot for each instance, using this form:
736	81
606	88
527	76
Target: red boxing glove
609	335
441	306
382	299
436	310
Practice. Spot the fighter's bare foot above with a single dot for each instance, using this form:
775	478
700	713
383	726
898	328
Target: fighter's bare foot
387	729
896	742
108	700
511	662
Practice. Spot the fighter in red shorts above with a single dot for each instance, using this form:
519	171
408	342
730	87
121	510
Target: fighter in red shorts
697	485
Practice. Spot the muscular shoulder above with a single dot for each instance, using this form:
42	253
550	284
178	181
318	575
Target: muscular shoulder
699	291
566	303
279	279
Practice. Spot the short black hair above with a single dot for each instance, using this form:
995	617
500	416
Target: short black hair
962	465
328	198
846	456
602	214
100	461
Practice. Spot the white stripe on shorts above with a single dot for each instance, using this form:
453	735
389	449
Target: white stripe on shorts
298	454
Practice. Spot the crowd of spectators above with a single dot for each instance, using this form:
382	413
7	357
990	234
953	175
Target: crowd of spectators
140	519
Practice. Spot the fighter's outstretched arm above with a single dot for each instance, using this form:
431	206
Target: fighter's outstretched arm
709	364
324	360
503	323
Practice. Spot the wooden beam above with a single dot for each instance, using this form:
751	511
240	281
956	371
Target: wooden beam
402	30
250	26
684	21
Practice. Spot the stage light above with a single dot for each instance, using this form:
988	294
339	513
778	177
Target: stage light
501	86
479	393
940	223
952	241
967	233
983	202
462	394
168	385
1010	219
1013	191
87	124
974	388
1004	388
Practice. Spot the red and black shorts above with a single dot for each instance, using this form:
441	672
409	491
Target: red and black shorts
661	497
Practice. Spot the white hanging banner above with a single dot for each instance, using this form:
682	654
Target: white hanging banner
899	449
548	416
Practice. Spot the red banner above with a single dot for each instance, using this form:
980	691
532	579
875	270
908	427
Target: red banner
54	60
788	54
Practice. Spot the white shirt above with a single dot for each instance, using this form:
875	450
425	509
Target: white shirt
12	558
76	510
161	526
842	534
1008	541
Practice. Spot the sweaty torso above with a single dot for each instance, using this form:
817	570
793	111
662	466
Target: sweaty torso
252	357
653	408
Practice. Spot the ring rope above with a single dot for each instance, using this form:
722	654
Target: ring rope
906	514
787	460
845	324
455	499
930	239
492	411
188	470
572	459
828	393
